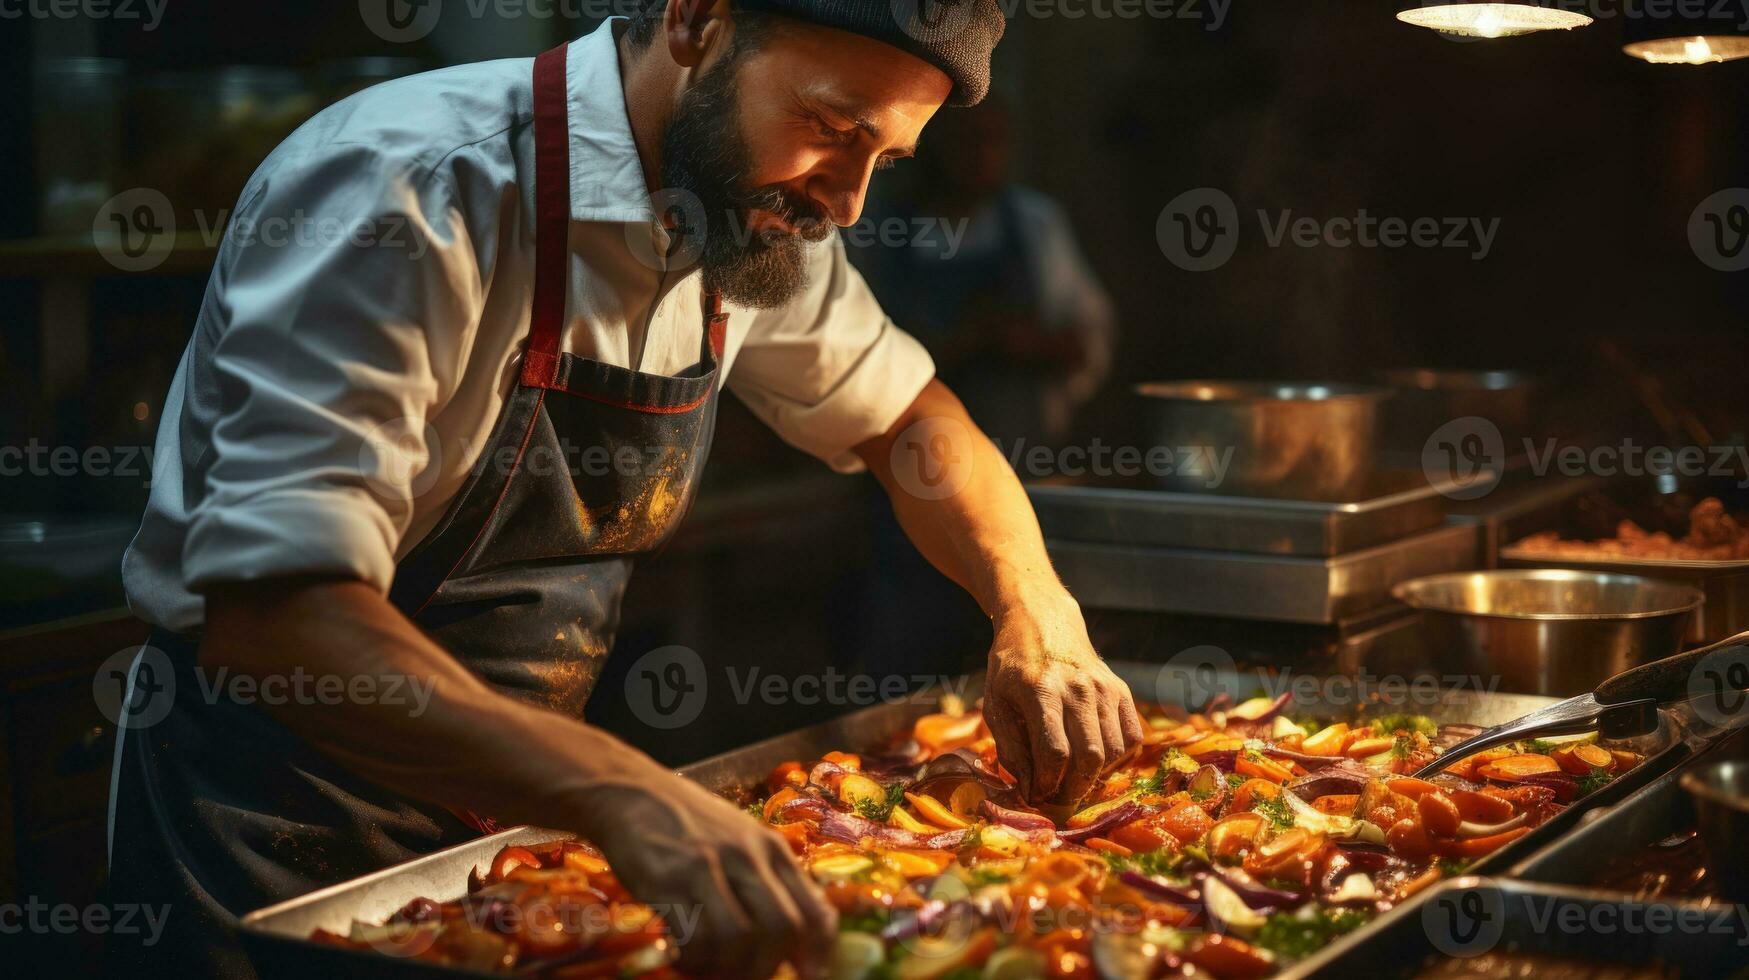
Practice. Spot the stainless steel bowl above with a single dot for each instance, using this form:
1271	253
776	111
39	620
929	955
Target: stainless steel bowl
1298	440
1720	791
1547	630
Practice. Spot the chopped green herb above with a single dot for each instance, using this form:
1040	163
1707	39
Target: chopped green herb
1288	935
1275	810
880	810
1539	747
984	877
1235	780
1147	862
1151	783
1452	867
1598	779
1413	724
757	810
1402	746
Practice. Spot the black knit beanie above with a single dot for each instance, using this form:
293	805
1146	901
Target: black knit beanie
956	36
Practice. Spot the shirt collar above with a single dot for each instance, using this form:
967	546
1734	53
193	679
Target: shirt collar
607	178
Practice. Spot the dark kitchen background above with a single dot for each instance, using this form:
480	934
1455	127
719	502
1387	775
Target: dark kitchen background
1591	162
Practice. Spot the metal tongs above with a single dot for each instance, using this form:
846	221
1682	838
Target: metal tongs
1621	707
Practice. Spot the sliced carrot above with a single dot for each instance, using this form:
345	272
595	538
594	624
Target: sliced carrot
1144	835
1262	767
1337	804
844	760
1109	847
1477	846
1411	787
1439	814
1233	833
1187	822
781	776
902	819
1225	956
1514	767
1580	760
1251	791
1480	807
778	799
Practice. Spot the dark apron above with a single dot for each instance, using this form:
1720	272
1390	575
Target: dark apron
219	810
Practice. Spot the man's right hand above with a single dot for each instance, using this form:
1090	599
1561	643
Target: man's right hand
733	895
747	905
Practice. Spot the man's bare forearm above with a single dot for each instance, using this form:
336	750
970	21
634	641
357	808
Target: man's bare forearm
1057	711
983	535
468	747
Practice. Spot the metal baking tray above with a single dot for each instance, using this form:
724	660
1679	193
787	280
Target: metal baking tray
276	937
1649	816
1403	503
1281	588
1468	916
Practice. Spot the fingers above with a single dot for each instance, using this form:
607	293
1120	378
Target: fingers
1049	741
1117	744
724	933
1013	748
1086	734
1131	718
819	918
776	919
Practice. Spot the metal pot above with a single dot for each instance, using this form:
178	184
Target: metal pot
1548	631
1297	440
1427	398
1720	791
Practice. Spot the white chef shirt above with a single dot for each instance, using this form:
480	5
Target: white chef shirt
368	309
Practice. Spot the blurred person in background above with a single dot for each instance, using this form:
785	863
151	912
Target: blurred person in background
990	278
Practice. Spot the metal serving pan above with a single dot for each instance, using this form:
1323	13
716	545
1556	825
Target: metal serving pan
1279	588
1400	503
275	937
1653	814
1469	916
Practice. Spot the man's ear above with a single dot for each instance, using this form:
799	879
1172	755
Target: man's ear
692	27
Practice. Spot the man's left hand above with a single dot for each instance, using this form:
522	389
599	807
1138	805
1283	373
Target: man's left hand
1058	712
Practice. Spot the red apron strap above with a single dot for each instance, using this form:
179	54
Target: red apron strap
552	219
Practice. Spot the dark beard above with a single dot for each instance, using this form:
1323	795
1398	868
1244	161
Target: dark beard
705	154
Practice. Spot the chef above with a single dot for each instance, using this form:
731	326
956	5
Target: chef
510	272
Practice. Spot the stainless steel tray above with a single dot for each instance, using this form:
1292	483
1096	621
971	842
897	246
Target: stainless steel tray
1643	819
276	937
1404	503
1469	916
1281	588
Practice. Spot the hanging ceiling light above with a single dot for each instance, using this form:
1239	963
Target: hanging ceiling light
1491	19
1686	38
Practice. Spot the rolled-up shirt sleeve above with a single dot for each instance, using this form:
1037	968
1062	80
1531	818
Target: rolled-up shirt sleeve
342	303
829	370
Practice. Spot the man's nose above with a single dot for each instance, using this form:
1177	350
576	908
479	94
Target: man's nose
841	194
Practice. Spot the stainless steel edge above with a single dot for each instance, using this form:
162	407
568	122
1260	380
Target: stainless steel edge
1246	586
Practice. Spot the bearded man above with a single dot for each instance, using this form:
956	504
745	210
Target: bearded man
381	465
